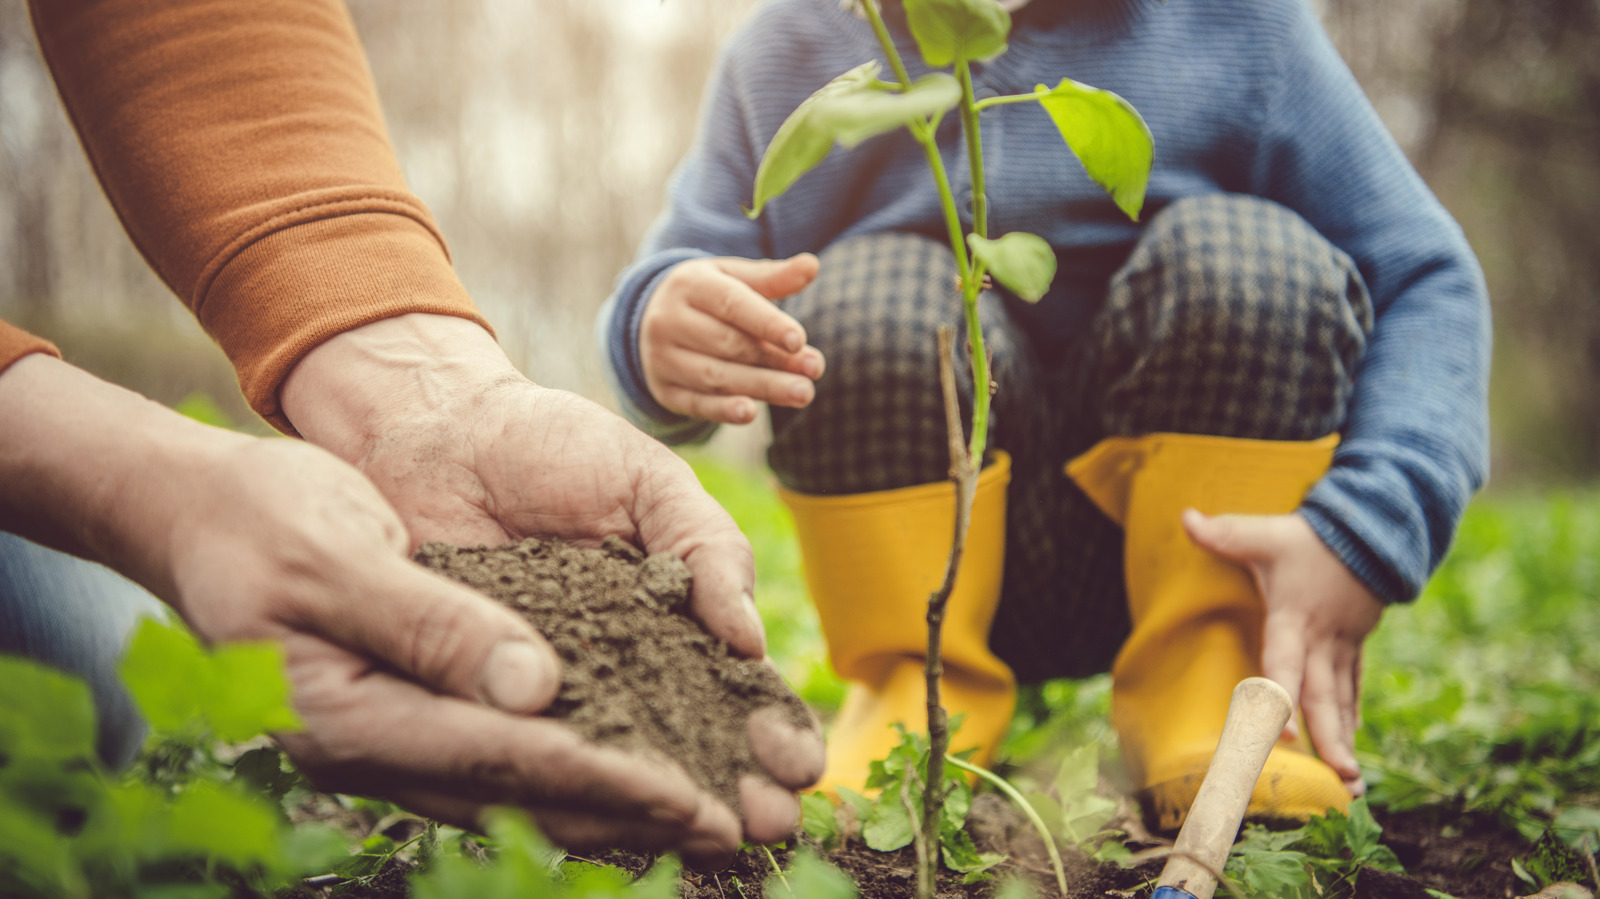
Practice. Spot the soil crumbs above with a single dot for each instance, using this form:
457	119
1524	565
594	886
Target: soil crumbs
637	672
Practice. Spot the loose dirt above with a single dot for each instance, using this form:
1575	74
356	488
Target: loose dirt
637	672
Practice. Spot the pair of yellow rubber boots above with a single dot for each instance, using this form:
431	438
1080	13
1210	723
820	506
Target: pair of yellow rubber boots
872	559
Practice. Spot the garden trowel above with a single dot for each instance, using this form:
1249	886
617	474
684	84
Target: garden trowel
1256	716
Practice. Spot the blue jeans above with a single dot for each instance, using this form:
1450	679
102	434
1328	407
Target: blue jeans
75	616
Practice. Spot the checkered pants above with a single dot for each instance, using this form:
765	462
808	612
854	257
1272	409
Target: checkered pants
1231	317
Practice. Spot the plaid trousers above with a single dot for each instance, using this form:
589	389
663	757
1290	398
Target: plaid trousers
1231	317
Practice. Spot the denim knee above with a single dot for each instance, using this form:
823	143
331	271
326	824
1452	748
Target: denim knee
1232	317
75	616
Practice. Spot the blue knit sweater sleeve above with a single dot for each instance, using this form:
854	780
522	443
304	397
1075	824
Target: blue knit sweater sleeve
702	218
1416	440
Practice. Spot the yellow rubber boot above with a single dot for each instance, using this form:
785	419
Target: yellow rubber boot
871	560
1197	620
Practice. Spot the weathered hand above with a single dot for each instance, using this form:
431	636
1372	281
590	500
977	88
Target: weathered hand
469	451
1317	617
712	341
274	539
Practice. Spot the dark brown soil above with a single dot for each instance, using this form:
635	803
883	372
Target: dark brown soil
1467	857
637	672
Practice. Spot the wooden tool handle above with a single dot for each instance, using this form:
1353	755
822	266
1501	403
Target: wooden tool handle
1256	716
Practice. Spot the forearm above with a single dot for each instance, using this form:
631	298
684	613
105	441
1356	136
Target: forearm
95	470
243	147
1416	444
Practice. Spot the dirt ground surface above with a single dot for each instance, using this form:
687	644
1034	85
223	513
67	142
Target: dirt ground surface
637	672
1462	857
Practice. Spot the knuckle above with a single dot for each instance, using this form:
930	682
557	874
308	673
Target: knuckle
437	639
712	376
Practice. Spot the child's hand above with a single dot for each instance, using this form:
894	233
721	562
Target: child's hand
1318	615
713	343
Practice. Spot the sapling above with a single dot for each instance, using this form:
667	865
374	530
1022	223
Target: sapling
1105	133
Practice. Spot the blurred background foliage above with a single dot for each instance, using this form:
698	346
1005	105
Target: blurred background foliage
541	133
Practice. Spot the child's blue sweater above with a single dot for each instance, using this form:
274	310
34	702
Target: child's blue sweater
1242	96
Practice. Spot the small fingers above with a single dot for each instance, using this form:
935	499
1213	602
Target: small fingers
727	410
1326	718
1283	658
772	278
680	369
731	300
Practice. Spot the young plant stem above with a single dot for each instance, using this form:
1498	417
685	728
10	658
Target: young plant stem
775	869
1004	786
965	461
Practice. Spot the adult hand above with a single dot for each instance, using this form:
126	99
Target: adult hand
274	539
470	452
1317	617
713	343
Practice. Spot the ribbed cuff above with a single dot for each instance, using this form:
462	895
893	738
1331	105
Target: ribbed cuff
1380	575
280	297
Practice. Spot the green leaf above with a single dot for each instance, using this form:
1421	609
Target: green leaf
661	881
959	800
960	854
861	804
1023	262
817	819
950	30
251	694
889	826
238	691
847	110
1108	136
167	673
202	408
1016	888
219	823
522	867
43	712
811	878
1362	831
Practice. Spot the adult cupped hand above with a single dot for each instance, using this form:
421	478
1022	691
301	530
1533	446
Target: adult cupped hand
410	686
468	451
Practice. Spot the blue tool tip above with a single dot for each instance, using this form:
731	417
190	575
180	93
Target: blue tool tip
1171	893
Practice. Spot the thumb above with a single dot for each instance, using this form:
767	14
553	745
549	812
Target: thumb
1243	539
442	635
773	278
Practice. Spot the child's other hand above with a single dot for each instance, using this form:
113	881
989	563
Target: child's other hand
1318	615
713	342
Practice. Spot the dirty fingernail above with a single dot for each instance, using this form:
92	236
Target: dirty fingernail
518	677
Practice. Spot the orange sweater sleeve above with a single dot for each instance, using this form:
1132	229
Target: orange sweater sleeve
16	343
243	147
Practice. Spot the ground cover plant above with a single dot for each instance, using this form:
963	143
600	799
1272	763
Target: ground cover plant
1480	742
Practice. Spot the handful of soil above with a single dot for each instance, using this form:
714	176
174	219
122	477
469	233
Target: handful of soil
637	672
